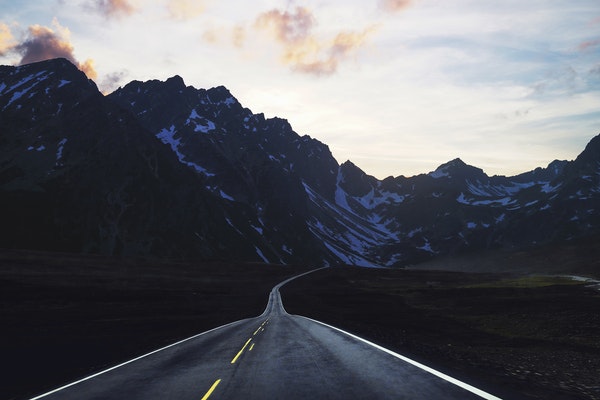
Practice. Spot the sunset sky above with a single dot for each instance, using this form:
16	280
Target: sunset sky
397	86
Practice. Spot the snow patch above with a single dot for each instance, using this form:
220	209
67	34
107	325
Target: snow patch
462	199
200	127
167	136
226	196
59	151
39	77
260	254
412	233
548	188
426	247
439	173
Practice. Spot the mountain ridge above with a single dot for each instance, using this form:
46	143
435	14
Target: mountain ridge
161	168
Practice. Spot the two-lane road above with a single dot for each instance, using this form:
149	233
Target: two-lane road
273	356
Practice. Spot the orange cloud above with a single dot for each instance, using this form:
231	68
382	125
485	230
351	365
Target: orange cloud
239	36
7	41
88	68
236	36
394	5
185	9
115	8
303	51
210	36
346	42
287	27
43	43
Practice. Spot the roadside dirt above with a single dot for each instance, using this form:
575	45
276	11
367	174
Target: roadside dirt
531	337
65	316
517	336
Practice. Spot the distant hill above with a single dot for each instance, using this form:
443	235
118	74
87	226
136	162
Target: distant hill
164	169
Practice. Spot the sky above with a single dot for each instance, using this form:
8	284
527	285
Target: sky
398	87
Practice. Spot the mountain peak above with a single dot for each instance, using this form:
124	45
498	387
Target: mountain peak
456	163
457	168
220	94
176	82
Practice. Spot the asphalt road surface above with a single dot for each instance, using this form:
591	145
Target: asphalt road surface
273	356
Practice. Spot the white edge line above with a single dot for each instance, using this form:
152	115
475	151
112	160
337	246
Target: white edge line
130	361
439	374
166	347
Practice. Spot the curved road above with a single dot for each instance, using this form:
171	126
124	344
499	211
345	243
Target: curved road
273	356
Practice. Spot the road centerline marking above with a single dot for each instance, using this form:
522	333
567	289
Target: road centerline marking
241	351
212	388
251	347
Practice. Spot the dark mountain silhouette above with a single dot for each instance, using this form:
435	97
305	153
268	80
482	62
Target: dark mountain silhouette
164	169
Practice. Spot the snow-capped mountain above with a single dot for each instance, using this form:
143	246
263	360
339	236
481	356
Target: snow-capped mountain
161	168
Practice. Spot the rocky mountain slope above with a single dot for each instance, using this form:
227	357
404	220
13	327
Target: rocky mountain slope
164	169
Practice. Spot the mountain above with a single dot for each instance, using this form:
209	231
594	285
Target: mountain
164	169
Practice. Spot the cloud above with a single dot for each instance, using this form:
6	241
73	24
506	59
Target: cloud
114	8
239	36
185	9
236	36
7	41
589	44
112	81
324	59
287	27
43	43
394	5
303	50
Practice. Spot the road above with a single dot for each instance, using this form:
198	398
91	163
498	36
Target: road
272	356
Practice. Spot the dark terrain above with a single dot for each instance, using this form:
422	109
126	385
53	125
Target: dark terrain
165	170
536	335
66	316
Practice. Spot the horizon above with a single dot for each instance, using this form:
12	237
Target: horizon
396	87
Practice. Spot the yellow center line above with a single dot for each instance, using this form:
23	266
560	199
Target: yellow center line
251	347
240	352
212	388
260	327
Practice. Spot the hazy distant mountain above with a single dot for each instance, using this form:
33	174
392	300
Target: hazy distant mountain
161	168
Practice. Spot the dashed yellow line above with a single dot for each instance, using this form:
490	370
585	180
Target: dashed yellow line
251	347
262	326
240	352
212	388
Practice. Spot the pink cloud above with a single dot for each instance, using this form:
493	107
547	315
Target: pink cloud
394	5
43	43
114	8
302	49
588	44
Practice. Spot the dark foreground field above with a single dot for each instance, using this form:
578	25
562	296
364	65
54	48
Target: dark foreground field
65	317
538	336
